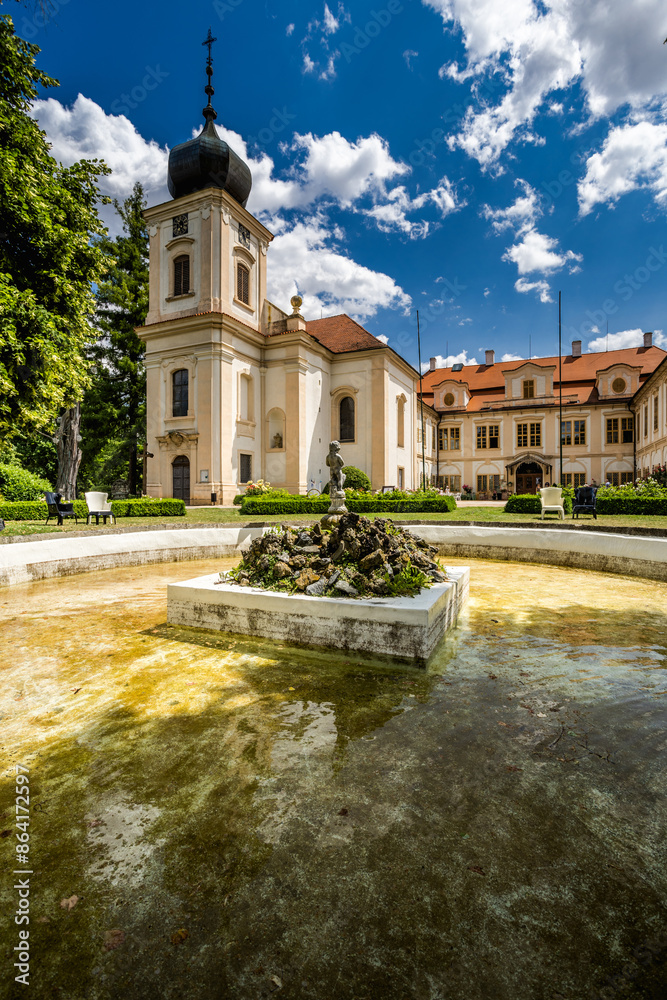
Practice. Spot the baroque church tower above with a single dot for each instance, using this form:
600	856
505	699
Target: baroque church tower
237	389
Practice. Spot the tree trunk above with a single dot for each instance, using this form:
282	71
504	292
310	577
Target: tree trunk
67	440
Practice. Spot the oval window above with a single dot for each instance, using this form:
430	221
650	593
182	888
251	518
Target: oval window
618	385
449	399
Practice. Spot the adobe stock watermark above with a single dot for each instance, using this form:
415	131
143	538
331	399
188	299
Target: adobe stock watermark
265	136
364	35
224	7
30	27
625	288
151	81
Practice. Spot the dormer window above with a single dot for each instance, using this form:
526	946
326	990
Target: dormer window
182	274
529	388
243	284
180	225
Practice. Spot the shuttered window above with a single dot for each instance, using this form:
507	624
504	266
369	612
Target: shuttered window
182	275
243	283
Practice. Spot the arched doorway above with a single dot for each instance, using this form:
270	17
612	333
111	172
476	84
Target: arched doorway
527	475
181	478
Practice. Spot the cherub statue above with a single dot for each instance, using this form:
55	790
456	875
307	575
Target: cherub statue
337	478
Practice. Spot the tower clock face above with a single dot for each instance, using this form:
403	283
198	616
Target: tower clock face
244	236
180	225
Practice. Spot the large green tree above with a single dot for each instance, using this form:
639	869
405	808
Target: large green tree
114	408
49	259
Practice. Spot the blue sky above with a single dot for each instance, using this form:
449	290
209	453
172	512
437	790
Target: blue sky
462	157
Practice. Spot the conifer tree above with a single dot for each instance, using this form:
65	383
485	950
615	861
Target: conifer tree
114	408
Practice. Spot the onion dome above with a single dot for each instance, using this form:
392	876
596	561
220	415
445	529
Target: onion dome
207	161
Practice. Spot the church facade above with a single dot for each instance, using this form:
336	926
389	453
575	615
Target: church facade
239	389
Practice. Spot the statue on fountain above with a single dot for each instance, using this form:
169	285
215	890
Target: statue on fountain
335	462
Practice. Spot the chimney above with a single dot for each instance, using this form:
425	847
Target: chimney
576	348
490	357
431	364
648	340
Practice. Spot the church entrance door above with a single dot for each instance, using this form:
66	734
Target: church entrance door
181	478
527	476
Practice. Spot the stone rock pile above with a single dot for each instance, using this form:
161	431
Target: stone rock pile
356	558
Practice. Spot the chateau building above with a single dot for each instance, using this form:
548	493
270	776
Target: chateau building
499	425
239	389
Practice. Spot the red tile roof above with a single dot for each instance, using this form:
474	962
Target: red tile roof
487	382
341	333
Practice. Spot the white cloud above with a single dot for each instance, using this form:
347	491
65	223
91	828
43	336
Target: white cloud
381	337
304	250
511	357
542	288
289	29
487	291
625	338
408	55
331	24
392	213
525	50
84	130
308	64
537	252
306	260
329	71
452	359
633	156
521	215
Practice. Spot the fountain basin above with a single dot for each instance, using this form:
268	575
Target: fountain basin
404	628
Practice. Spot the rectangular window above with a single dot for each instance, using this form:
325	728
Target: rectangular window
481	437
578	477
494	436
522	435
529	389
481	484
432	437
245	468
580	432
401	478
536	435
454	438
566	432
612	430
646	420
627	429
494	483
419	434
455	484
443	439
655	413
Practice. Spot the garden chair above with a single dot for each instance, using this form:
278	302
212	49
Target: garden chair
58	509
551	498
99	507
585	501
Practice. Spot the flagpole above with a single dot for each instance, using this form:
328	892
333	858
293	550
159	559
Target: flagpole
560	392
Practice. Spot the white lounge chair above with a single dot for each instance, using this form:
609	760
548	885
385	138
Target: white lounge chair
99	507
551	498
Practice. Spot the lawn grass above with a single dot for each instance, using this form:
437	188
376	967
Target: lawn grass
232	516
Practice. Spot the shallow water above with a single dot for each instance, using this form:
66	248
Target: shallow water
250	818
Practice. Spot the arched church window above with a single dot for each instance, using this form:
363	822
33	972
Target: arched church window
181	274
400	418
243	283
180	393
346	411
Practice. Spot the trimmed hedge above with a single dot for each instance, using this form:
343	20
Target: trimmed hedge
529	503
616	503
18	485
38	511
304	505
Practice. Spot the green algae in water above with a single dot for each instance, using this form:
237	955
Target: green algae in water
491	828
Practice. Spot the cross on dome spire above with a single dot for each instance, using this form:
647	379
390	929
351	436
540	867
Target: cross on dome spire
209	113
